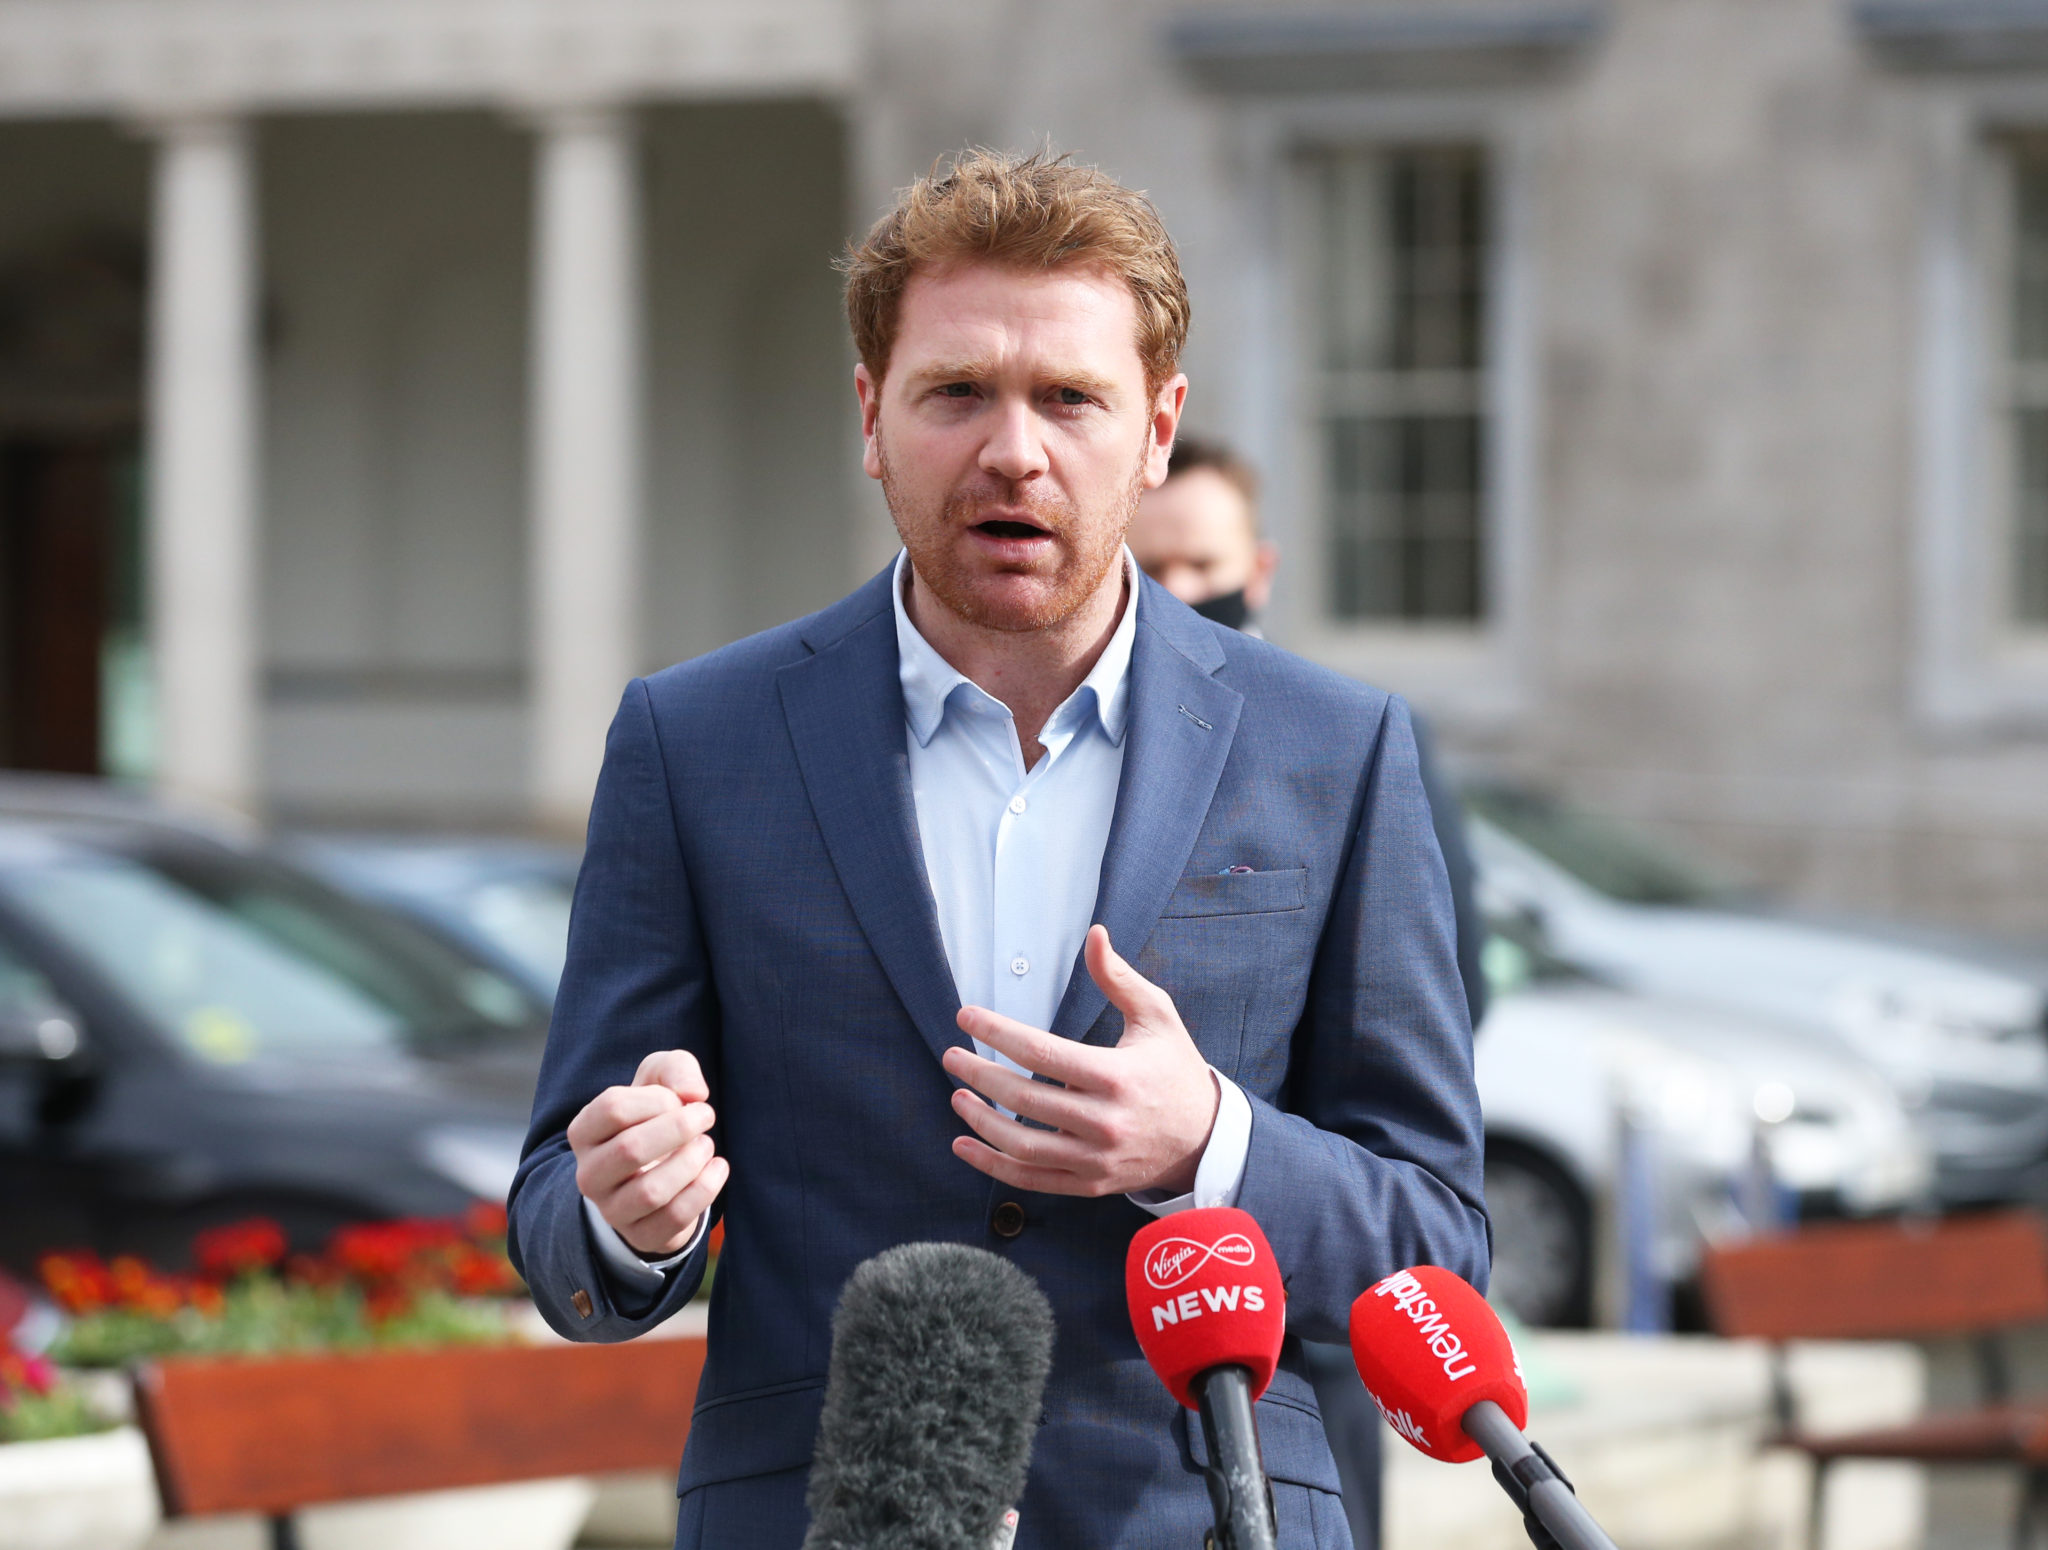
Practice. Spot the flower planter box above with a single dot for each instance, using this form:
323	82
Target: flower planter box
278	1434
77	1493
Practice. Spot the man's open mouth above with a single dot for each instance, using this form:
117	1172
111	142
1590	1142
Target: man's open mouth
1011	530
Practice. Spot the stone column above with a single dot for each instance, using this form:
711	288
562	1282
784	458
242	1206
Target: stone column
201	461
586	437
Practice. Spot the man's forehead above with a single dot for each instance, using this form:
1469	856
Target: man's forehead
994	315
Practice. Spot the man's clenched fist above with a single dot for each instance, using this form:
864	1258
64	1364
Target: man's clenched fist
644	1155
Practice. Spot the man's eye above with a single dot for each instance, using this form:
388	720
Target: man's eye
958	389
1073	397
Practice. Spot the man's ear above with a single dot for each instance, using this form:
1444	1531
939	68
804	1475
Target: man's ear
1166	408
869	392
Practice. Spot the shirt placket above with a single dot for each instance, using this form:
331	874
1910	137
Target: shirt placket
1024	975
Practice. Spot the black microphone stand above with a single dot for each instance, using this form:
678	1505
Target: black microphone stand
1239	1492
1532	1481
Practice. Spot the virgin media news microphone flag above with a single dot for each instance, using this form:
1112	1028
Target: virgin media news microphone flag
1204	1292
1428	1349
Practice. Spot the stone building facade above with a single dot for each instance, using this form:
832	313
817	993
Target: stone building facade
1655	390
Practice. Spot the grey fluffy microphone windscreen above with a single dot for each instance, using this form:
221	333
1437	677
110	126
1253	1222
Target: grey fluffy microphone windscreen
939	1359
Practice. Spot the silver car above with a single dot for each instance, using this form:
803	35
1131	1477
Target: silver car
1960	1030
1625	1131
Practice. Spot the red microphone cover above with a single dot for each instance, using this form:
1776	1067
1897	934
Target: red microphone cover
1429	1349
1204	1291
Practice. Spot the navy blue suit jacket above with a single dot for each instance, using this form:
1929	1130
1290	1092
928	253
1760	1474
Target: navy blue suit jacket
754	892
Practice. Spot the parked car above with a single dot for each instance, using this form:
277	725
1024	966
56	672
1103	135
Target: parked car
505	901
1580	1081
1959	1028
193	1031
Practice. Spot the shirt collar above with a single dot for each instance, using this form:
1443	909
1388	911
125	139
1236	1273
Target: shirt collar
929	680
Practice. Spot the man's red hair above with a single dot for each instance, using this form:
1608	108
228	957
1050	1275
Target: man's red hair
1032	213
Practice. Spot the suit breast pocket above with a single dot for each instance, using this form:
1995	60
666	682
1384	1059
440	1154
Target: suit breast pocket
1238	893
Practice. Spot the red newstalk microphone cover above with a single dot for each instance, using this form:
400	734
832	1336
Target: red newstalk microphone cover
1204	1291
1429	1349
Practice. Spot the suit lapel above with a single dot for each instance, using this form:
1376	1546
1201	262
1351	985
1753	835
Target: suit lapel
1177	740
844	706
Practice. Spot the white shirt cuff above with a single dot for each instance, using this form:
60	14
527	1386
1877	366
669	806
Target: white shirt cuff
623	1264
1220	1173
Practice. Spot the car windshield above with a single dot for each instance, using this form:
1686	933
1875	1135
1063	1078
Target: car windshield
1606	856
1515	956
237	959
525	918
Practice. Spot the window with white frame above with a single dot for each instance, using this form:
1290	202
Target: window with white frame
1981	553
1397	353
2019	397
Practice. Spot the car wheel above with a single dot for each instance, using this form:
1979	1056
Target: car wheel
1542	1239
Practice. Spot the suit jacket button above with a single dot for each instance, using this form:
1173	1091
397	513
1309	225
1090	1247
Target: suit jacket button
1008	1220
580	1301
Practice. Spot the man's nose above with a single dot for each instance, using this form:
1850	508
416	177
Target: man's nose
1014	449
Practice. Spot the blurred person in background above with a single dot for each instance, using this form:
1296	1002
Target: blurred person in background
1198	536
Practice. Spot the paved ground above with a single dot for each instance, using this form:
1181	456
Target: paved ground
1972	1509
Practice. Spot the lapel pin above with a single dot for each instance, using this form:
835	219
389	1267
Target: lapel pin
1197	720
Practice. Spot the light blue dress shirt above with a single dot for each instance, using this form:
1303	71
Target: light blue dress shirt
1014	856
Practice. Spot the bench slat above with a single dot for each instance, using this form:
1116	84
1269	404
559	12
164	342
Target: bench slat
1858	1280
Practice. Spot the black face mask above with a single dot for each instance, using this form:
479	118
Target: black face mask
1230	610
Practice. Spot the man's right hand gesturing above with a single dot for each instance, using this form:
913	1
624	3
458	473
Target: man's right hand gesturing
644	1157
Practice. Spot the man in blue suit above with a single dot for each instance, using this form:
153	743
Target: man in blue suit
1007	902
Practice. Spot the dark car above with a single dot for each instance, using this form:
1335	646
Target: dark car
194	1031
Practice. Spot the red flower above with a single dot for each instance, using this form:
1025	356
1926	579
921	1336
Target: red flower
239	1249
78	1282
38	1374
21	1373
142	1289
485	1219
372	1251
481	1274
414	1251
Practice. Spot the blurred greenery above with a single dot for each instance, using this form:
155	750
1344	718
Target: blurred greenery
260	1315
63	1412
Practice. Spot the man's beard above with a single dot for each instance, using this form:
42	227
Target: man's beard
1088	550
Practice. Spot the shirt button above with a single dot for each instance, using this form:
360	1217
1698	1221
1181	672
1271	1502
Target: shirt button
1018	804
1008	1220
1020	965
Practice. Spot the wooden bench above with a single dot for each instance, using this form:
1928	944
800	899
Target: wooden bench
273	1434
1971	1277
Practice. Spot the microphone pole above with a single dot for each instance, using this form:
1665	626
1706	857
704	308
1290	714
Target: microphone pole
1239	1493
1543	1494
